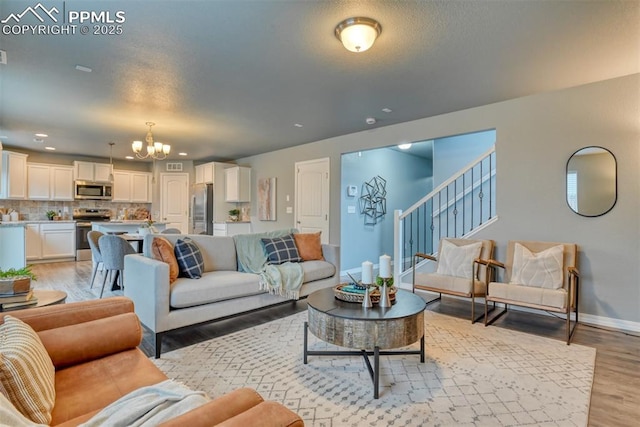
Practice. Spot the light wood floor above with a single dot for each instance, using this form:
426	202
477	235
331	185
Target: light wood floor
615	397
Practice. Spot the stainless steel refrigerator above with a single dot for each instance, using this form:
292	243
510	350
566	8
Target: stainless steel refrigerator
202	209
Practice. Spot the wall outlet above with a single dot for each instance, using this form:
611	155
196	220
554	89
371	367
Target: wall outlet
351	209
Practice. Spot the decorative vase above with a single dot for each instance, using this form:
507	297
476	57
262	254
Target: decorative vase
15	285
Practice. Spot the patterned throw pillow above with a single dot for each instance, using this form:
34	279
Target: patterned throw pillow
189	258
540	270
281	249
26	371
162	250
309	246
457	260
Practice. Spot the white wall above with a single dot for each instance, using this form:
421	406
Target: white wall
535	137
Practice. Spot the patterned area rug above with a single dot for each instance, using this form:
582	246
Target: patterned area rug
472	376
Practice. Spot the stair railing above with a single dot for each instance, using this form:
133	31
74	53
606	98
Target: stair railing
456	208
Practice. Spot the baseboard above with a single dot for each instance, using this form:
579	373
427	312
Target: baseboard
609	322
587	319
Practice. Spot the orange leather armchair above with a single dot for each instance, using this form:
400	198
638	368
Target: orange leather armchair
93	346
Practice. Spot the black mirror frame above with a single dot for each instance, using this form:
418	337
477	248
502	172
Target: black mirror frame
566	170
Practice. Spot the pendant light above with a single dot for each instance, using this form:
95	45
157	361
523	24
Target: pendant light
111	144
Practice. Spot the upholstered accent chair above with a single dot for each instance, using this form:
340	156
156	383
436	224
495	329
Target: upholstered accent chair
113	249
538	275
93	237
458	270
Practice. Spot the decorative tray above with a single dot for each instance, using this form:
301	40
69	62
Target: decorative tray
349	293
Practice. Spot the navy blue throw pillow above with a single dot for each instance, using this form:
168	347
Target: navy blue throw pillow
189	258
281	249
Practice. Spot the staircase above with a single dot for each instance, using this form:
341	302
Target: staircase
459	207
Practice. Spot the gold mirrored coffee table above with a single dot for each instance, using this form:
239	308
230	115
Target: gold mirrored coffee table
374	331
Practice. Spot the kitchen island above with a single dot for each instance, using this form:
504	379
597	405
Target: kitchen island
124	226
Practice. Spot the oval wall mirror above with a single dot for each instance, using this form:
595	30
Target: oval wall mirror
592	188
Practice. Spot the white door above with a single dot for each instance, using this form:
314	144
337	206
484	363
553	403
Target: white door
312	197
174	200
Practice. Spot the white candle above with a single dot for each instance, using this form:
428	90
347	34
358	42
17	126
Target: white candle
385	266
367	272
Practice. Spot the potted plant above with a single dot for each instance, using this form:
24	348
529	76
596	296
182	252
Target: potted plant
234	214
16	280
147	227
51	215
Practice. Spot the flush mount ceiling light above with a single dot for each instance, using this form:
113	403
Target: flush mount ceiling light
155	150
358	34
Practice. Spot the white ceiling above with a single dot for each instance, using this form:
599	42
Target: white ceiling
230	78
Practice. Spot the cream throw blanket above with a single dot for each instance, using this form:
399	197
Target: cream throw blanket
284	279
149	406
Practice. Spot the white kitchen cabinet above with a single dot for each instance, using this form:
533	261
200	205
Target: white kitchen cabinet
205	173
61	180
13	184
121	186
38	187
238	184
49	182
89	171
131	186
231	228
32	242
48	241
58	240
141	187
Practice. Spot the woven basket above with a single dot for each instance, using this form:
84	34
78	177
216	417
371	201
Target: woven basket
357	298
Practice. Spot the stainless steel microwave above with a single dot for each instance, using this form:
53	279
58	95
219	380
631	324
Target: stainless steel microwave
86	190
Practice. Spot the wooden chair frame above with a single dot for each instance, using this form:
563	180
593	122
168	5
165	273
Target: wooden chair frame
571	304
475	273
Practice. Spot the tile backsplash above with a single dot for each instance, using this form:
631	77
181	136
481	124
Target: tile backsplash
35	210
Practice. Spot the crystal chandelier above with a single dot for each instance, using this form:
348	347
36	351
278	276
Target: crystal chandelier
155	150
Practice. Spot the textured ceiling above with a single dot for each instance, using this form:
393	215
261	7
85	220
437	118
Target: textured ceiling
229	79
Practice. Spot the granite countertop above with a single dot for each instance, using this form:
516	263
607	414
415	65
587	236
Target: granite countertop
127	222
42	221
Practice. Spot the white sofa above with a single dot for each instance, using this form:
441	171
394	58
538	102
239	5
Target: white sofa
222	292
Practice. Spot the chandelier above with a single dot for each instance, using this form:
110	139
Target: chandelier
155	150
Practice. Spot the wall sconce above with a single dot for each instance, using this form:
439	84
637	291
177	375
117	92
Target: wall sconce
358	34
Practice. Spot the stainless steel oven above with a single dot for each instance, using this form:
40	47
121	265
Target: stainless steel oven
84	218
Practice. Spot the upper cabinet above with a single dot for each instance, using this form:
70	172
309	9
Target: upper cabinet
13	184
238	184
130	186
89	171
49	182
205	173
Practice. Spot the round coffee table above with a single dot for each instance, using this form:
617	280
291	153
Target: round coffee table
49	297
372	330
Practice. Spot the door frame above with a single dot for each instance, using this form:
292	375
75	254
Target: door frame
327	162
188	196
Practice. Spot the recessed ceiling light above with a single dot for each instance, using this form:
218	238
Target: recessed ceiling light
50	148
298	125
129	157
42	135
83	68
387	110
182	154
404	146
